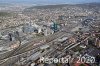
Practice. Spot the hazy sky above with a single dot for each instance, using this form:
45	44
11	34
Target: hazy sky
49	1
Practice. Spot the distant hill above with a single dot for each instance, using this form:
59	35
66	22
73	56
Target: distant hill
5	4
49	6
89	6
63	5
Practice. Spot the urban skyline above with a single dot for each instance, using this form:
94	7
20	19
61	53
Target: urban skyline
49	33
